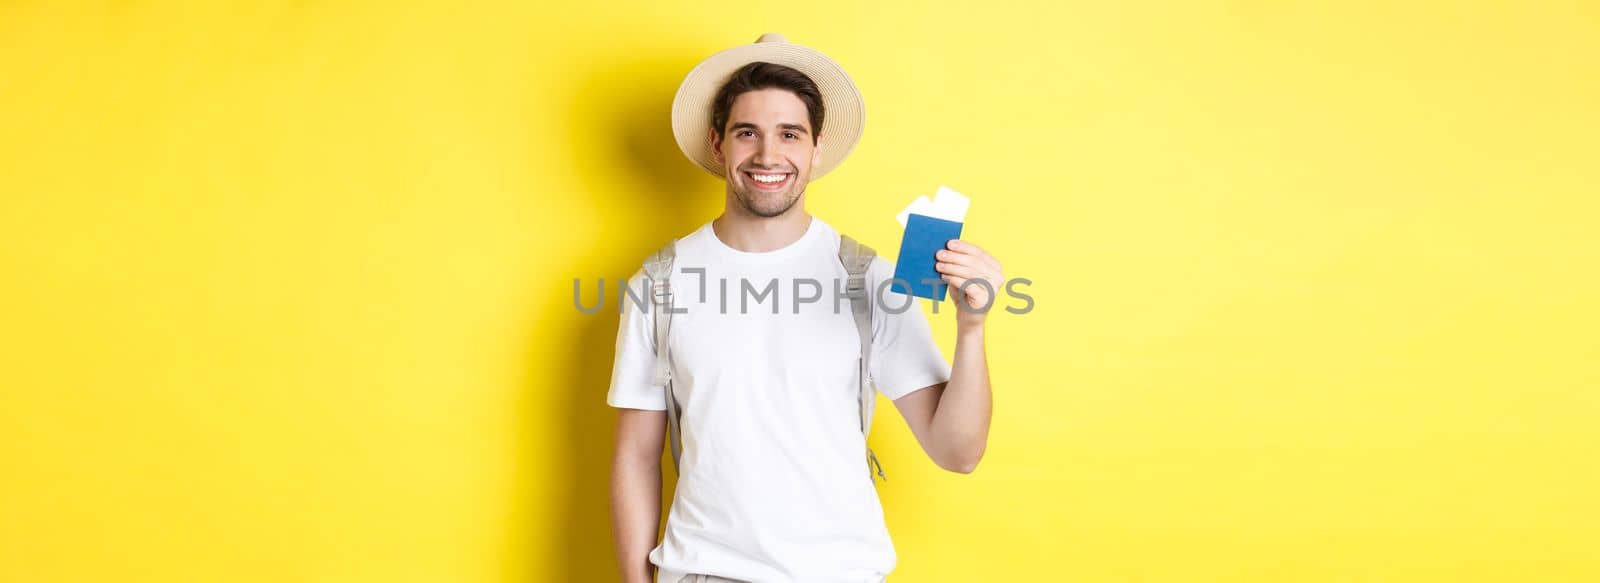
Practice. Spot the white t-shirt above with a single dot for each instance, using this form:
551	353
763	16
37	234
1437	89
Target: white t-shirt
773	485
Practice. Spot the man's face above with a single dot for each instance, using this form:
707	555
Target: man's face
767	150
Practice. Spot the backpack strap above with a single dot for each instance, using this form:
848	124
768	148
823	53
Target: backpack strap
658	273
856	259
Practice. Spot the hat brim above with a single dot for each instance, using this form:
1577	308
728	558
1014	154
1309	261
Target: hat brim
844	113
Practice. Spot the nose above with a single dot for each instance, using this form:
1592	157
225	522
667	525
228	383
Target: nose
767	154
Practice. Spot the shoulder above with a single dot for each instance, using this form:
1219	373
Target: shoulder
830	236
880	270
880	266
688	243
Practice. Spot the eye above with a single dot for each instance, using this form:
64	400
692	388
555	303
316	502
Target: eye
746	132
791	135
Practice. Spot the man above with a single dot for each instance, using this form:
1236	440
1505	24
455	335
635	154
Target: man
771	485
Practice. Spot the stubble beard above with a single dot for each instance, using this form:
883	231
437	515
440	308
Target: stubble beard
768	205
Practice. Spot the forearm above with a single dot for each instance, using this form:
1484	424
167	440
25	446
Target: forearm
635	514
961	422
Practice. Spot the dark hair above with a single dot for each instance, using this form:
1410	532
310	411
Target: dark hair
761	75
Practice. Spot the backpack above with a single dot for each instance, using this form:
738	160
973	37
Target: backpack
856	259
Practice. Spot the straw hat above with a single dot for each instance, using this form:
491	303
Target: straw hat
844	110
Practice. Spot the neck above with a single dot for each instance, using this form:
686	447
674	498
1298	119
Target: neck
756	234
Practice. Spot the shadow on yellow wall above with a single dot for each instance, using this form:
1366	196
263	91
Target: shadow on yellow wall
633	138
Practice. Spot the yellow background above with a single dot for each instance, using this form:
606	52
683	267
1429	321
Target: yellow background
287	286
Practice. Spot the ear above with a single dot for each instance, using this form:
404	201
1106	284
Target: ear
716	147
816	152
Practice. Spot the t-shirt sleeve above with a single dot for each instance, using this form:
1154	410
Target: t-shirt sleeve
633	371
905	357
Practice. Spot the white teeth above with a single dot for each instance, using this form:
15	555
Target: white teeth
769	178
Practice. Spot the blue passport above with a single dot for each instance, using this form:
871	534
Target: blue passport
924	237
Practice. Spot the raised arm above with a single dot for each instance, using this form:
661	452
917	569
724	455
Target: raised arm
951	420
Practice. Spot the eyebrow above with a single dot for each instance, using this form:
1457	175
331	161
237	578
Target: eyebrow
786	126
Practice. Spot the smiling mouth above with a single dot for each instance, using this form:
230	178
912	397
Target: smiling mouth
768	181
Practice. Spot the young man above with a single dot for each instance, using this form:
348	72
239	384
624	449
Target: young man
771	483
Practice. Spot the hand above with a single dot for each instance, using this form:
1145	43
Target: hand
960	262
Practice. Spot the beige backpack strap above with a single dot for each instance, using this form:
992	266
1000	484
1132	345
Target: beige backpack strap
658	271
857	258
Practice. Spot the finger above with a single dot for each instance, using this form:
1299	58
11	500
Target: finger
976	295
958	245
993	263
962	247
974	261
980	282
964	271
960	259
